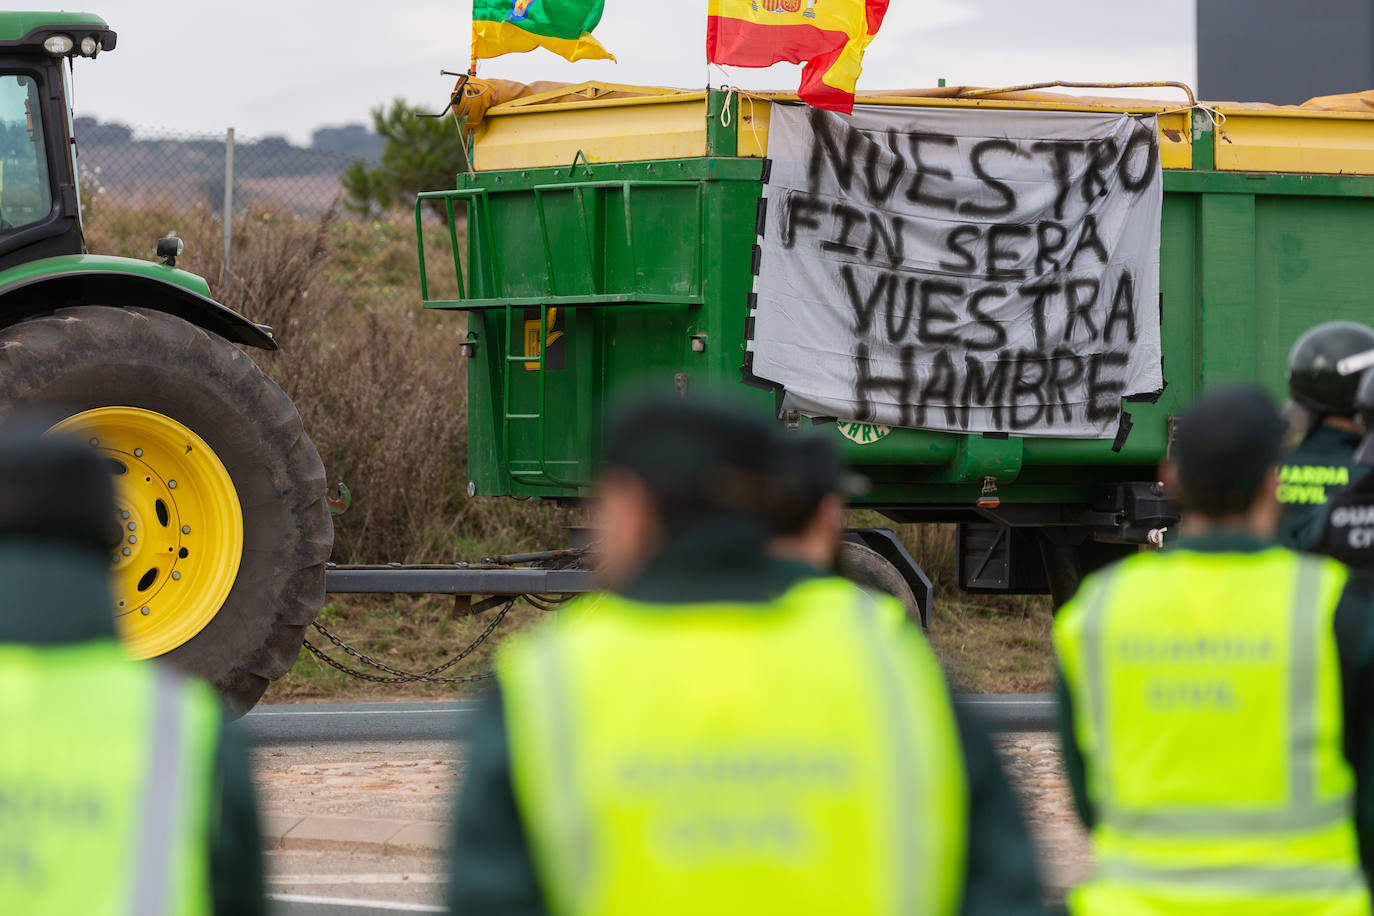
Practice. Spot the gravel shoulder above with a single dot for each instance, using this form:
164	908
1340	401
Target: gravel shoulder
410	781
1034	768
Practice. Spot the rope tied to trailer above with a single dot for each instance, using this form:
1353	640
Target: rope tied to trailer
1216	116
726	119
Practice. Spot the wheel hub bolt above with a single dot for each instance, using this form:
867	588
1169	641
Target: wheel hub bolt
94	443
171	484
133	526
145	610
176	575
185	529
126	551
133	539
138	453
124	514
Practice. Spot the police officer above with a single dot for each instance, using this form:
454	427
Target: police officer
1216	699
1323	401
725	732
1347	531
120	789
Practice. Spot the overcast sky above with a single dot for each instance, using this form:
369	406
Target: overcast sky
289	66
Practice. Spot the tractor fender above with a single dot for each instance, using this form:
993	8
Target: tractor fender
43	286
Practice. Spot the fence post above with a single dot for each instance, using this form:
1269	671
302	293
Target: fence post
228	212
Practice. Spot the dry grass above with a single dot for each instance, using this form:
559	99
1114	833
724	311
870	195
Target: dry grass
382	391
988	648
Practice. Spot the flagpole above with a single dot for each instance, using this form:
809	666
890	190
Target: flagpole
472	60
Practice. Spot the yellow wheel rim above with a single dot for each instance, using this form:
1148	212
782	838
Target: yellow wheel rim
181	525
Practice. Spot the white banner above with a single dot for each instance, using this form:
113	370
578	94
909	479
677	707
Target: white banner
964	270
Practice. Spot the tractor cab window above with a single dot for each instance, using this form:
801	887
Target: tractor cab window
24	193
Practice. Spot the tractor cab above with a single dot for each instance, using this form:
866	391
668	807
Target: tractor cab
40	213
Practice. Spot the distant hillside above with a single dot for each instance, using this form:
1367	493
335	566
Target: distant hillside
138	167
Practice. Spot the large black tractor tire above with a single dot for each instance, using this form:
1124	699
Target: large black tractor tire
80	359
868	568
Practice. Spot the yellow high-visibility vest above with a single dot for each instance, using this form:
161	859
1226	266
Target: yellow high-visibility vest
797	757
104	784
1207	703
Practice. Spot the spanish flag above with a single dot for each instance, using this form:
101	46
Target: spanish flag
563	26
829	36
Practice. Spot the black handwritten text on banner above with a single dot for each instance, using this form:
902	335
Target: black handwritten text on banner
980	271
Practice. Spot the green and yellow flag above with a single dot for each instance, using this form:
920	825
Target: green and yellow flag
563	26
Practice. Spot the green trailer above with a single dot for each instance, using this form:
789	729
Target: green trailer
605	241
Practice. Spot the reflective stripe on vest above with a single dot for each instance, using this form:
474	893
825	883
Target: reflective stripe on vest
1284	824
105	784
899	716
152	886
577	837
735	805
1271	879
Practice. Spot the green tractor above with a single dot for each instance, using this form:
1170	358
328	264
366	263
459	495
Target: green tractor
221	493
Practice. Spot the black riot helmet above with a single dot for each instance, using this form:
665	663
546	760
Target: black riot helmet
1314	379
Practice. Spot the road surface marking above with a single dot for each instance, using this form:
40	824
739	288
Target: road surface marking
362	712
409	878
389	906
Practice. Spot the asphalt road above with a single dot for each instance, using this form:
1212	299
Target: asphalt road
286	723
436	721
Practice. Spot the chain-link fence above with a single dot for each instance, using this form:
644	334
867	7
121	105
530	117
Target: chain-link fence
131	167
226	182
216	190
126	168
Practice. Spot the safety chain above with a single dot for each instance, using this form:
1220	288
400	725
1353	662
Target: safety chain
406	677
